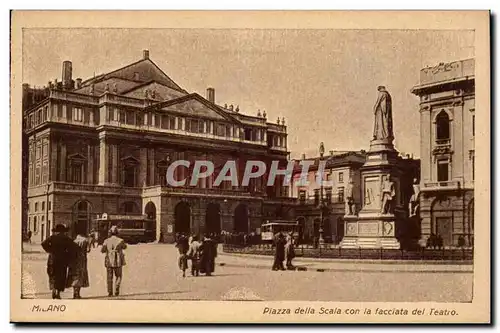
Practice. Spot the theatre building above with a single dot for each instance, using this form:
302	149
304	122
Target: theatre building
103	145
447	111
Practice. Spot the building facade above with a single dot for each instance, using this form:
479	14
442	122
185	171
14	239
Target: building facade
320	209
447	116
103	145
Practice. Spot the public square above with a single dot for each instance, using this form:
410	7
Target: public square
152	273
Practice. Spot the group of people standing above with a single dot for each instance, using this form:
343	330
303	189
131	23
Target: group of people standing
201	252
67	261
284	249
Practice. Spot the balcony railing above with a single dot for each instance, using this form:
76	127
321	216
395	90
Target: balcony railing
443	142
94	188
442	185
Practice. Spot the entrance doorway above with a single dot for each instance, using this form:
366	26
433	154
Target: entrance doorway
241	218
182	218
444	229
212	219
82	218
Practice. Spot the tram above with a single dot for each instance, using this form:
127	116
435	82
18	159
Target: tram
270	229
132	228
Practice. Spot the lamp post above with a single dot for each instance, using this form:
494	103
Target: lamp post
321	203
47	211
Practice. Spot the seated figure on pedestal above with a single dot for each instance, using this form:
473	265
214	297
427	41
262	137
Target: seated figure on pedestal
388	194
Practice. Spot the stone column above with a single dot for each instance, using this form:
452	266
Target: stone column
151	160
62	163
114	164
143	160
53	159
90	164
103	162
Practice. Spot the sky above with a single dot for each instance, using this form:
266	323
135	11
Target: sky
324	82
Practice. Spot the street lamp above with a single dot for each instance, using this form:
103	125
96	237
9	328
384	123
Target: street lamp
321	203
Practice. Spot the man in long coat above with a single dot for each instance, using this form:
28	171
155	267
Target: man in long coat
114	260
62	252
279	254
208	254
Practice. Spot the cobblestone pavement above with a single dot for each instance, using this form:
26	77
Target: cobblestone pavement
152	273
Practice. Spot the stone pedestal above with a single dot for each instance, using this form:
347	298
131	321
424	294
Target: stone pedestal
373	228
376	231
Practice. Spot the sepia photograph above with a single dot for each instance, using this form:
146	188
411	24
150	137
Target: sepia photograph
285	170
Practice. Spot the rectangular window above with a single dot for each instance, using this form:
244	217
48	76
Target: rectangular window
473	166
35	225
201	126
59	110
179	123
130	117
45	149
228	131
111	114
46	113
340	194
171	121
164	122
157	120
50	205
442	171
43	206
473	125
341	177
221	130
38	151
77	114
122	116
36	206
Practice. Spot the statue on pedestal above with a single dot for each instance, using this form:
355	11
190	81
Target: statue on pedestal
383	116
388	194
350	206
414	200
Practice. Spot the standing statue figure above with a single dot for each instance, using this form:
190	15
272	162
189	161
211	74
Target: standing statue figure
388	194
350	206
414	200
321	149
383	116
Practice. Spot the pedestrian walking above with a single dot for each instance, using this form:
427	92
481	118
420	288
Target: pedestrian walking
208	255
194	255
114	260
62	252
78	275
289	252
183	247
279	254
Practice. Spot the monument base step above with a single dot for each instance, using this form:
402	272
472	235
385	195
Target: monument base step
369	243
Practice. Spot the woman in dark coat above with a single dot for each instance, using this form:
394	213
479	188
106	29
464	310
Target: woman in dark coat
78	275
208	254
62	252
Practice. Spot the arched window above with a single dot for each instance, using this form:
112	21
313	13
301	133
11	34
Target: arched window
442	126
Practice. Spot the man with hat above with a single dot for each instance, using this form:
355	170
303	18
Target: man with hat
62	252
113	247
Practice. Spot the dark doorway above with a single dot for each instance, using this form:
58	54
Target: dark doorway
444	229
82	218
327	231
182	218
241	218
212	219
301	221
340	229
150	210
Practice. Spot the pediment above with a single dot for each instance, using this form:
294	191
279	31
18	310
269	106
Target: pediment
129	160
76	156
196	106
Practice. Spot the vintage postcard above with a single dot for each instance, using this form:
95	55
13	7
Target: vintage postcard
250	167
